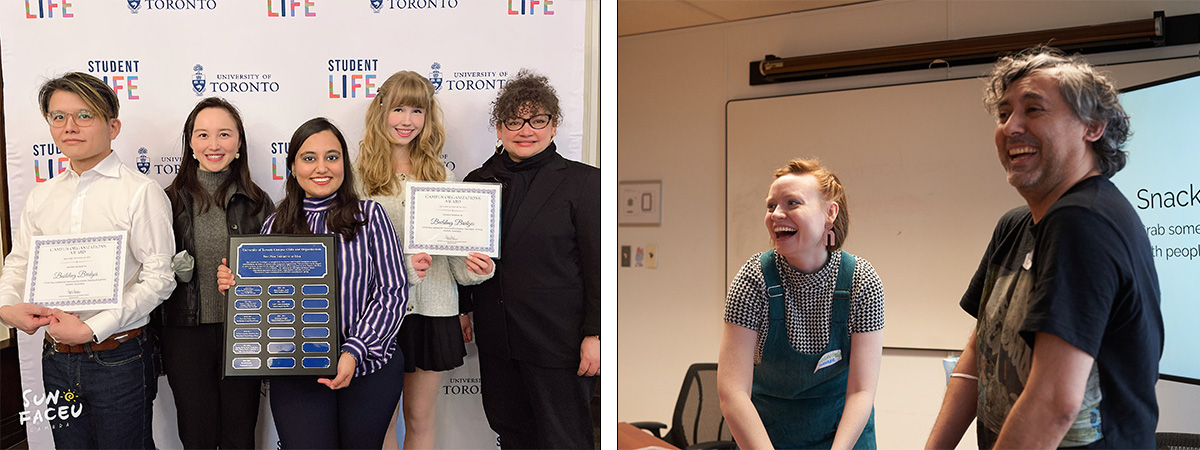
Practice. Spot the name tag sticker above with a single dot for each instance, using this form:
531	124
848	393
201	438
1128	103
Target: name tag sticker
828	359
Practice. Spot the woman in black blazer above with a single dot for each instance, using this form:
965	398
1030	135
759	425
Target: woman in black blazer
537	321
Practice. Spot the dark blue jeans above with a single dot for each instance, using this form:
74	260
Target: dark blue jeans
310	415
109	395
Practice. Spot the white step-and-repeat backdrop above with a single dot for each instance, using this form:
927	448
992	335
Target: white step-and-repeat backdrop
281	62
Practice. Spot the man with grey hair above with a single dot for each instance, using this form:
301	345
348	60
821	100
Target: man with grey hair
1069	333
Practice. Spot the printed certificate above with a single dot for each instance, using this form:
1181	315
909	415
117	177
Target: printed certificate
281	316
452	218
76	272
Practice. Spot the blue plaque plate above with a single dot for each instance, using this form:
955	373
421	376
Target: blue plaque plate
247	304
246	291
315	332
247	363
281	289
281	303
247	319
247	348
315	289
281	362
315	362
316	347
315	303
315	317
281	333
282	260
281	347
281	318
247	333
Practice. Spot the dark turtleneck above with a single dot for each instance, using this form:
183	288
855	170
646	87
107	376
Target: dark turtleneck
517	176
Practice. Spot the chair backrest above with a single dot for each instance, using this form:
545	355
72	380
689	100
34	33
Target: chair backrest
698	410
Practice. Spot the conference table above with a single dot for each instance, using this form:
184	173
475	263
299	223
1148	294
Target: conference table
630	437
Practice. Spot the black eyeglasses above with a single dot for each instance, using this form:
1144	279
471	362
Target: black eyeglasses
536	122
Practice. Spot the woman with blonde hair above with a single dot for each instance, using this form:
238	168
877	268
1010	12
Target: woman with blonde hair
403	141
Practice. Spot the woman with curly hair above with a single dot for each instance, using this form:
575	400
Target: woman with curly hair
403	141
538	319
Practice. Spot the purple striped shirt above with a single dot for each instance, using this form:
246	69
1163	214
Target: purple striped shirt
372	284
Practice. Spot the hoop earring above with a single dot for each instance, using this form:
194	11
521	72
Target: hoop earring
829	238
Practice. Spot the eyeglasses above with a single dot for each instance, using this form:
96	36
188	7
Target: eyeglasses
536	122
58	119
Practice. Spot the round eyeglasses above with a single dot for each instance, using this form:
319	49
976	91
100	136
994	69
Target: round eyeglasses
536	122
58	119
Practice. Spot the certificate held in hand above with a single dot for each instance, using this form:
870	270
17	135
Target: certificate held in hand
452	218
76	272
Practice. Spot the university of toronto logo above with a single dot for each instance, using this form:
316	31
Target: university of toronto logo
134	5
143	161
198	80
435	77
376	4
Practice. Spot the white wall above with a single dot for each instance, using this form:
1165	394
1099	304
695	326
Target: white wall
671	120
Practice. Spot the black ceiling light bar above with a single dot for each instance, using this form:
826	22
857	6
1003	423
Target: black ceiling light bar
1156	32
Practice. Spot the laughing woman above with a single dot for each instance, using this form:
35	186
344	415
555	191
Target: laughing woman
798	365
353	409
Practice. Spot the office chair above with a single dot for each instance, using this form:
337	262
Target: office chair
1177	441
697	422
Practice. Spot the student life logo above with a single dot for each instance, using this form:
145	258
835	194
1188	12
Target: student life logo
48	161
52	410
378	5
291	8
233	82
531	7
119	74
467	80
353	77
170	5
279	169
48	9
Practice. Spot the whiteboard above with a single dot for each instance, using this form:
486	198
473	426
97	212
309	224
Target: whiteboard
923	180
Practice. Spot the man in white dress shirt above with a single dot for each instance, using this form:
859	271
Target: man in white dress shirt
97	363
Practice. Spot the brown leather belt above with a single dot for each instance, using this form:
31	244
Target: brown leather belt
108	344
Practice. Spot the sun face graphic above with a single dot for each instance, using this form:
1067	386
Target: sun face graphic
70	395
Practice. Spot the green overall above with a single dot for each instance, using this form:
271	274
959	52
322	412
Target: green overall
800	396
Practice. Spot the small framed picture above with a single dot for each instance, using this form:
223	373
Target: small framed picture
641	203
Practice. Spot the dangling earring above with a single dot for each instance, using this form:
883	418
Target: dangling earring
499	146
829	238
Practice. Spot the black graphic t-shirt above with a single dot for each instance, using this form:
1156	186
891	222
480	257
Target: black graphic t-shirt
1084	273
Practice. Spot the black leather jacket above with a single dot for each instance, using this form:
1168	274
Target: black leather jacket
183	307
